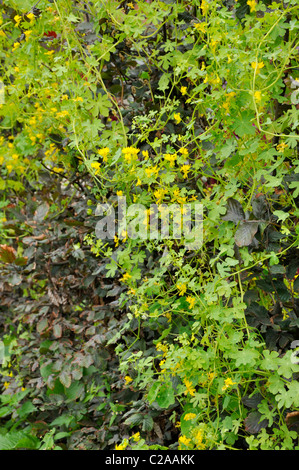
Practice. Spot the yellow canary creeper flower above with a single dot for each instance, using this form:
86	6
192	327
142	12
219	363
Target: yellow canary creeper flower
227	384
27	34
18	20
189	388
185	169
191	301
280	147
257	96
136	437
15	46
198	438
177	117
204	7
125	277
96	166
128	379
252	5
184	440
104	153
123	445
31	17
183	90
200	27
189	416
182	287
258	66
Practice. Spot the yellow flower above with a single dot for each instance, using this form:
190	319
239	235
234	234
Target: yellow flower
170	158
189	416
258	96
151	171
280	147
198	439
204	7
79	98
49	52
125	277
15	46
96	166
18	20
252	5
123	445
136	437
145	154
191	301
119	193
130	153
128	379
183	151
162	347
2	33
62	114
183	90
177	117
104	153
189	388
182	287
27	34
228	383
184	170
258	66
31	17
6	384
214	44
58	170
184	440
201	27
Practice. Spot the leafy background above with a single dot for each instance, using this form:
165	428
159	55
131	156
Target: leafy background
137	343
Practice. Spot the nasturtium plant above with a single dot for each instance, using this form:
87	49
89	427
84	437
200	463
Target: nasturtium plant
134	341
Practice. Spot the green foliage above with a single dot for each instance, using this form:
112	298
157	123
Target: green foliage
141	343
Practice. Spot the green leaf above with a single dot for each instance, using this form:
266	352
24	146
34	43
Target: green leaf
18	440
165	396
244	125
147	423
163	82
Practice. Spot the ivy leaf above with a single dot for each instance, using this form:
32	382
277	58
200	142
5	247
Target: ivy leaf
165	396
244	125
